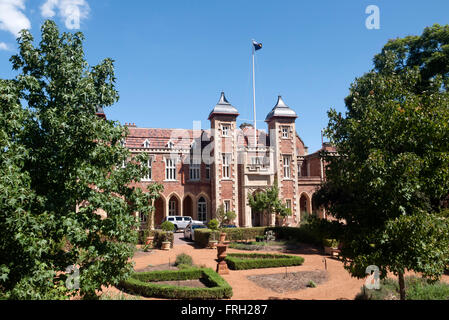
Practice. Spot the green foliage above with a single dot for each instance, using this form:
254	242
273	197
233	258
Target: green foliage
390	177
333	243
417	289
268	202
243	261
312	284
167	226
163	236
429	52
59	167
213	224
202	236
184	259
145	284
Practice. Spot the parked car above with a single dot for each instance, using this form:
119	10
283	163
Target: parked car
189	231
228	226
180	222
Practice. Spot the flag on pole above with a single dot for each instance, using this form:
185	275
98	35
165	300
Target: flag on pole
257	45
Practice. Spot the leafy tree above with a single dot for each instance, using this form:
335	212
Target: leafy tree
268	202
429	52
60	166
391	175
224	217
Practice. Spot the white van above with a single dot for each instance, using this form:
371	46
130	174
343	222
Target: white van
180	222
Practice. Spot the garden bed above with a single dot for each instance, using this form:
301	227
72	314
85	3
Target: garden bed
243	261
154	284
286	282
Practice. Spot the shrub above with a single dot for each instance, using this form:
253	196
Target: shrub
183	259
417	289
161	236
311	284
213	224
145	284
202	236
243	261
167	226
330	243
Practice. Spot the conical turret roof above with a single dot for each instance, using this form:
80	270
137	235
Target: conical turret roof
224	107
281	110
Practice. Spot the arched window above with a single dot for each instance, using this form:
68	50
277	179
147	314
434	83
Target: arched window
202	209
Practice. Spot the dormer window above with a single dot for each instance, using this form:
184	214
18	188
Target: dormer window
146	144
225	130
170	144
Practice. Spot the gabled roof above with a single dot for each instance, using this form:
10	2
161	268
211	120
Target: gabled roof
223	107
281	110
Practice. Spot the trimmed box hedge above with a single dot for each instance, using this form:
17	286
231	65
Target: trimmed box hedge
145	284
232	234
243	261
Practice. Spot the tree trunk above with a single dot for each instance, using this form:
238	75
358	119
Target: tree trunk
401	285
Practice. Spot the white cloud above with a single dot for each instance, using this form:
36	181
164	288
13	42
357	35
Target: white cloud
12	18
71	11
4	47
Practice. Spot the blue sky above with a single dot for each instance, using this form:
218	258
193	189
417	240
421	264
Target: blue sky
173	58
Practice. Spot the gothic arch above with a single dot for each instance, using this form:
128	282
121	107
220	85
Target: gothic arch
177	210
208	205
305	203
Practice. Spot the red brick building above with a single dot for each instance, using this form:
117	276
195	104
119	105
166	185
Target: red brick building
203	169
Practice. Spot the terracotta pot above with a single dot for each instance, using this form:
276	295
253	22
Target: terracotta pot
222	237
166	245
213	244
149	240
221	252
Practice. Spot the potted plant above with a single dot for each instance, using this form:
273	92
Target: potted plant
213	225
330	245
168	228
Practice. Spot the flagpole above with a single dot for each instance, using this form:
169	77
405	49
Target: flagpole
254	100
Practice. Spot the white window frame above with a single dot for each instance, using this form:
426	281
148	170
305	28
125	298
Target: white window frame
146	144
142	217
225	128
170	144
285	132
227	205
226	166
172	208
208	171
195	171
202	209
150	174
288	203
286	163
170	169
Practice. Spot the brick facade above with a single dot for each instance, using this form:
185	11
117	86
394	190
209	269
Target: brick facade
221	165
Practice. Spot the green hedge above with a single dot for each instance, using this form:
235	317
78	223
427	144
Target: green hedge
303	234
145	284
232	234
243	261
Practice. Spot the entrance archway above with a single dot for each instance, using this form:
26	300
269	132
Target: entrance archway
173	206
202	209
304	205
187	207
159	213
